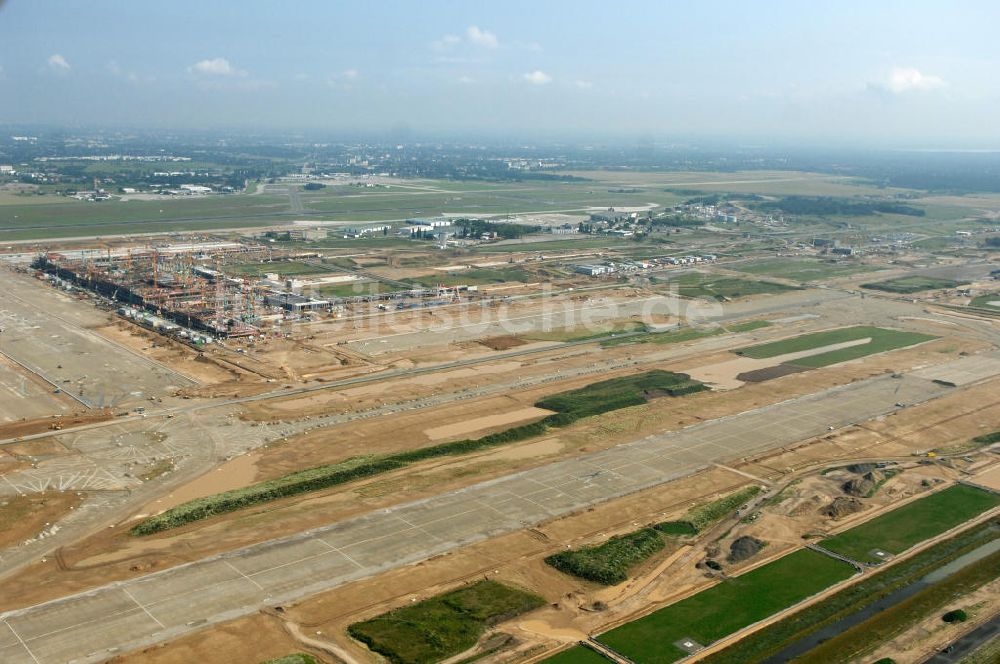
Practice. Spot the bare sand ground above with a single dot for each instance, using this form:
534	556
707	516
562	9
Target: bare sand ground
485	422
238	472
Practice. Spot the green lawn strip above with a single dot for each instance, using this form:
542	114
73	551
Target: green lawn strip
922	519
442	626
296	658
770	640
610	562
727	607
912	284
886	625
882	339
577	655
568	407
987	438
473	277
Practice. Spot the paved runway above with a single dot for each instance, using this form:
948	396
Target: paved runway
157	607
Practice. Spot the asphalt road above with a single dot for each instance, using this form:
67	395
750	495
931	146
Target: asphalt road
92	626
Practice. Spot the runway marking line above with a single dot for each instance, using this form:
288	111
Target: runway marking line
144	609
21	641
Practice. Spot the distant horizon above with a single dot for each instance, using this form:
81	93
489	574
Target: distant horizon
912	74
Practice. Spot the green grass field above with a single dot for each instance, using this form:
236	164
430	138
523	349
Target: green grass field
988	301
596	331
442	626
768	641
913	284
698	284
727	607
803	269
352	289
905	526
577	655
882	340
686	334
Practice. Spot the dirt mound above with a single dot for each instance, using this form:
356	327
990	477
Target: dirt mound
769	373
863	486
841	507
502	343
744	548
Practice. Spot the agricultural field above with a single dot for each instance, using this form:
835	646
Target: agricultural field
804	269
442	626
770	640
880	340
699	284
903	527
911	284
726	607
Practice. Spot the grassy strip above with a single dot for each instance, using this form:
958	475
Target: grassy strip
577	655
727	607
610	562
900	529
442	626
770	640
696	284
295	658
881	340
569	406
912	284
987	438
702	516
886	625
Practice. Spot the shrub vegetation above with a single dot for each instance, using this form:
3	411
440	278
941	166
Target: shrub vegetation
442	626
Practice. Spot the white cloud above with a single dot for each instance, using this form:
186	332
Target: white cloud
466	80
445	42
343	79
216	67
581	84
350	74
537	77
58	63
906	79
482	37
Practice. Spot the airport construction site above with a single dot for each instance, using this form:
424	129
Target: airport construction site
183	372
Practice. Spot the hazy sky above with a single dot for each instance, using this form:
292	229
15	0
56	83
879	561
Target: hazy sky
920	73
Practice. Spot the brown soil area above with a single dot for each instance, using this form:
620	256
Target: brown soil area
769	373
23	517
173	354
249	640
502	343
43	424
